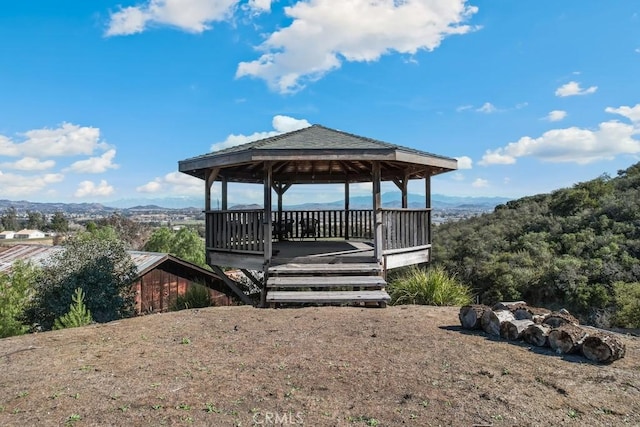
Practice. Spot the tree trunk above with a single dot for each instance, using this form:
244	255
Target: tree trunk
567	338
557	319
491	320
603	348
513	329
471	315
537	335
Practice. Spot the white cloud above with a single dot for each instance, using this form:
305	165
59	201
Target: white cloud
556	115
174	183
480	183
67	140
575	145
457	176
573	88
95	164
150	187
13	185
631	113
487	108
90	189
281	124
354	31
189	15
30	164
464	162
464	108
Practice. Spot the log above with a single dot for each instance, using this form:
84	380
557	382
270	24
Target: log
513	329
603	347
537	335
471	315
491	320
567	338
557	319
508	305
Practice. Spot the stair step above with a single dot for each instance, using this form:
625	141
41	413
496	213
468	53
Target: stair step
325	282
327	296
346	268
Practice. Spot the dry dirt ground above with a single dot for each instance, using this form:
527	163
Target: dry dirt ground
321	366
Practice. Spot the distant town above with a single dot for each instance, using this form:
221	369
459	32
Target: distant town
33	216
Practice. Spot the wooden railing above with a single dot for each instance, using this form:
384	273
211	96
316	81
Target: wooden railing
235	230
244	230
405	228
357	224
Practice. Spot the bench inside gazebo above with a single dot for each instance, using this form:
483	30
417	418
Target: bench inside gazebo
317	256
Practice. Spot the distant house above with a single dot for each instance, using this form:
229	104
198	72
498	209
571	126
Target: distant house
161	277
7	235
28	234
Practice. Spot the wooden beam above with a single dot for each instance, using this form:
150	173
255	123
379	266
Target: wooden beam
232	285
253	278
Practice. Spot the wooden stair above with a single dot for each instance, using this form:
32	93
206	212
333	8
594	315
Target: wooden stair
321	283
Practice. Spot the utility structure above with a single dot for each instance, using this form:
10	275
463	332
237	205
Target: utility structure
345	255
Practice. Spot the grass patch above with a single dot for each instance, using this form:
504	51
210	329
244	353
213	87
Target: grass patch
432	286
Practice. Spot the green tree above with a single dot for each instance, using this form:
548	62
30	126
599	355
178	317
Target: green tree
78	314
59	223
101	267
16	290
35	220
186	244
10	219
132	233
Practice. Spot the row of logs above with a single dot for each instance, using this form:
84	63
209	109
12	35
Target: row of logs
543	328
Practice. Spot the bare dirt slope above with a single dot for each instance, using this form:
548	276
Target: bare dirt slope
324	366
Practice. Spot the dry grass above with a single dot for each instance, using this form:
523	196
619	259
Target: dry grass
328	366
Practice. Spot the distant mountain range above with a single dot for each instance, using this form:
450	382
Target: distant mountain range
389	199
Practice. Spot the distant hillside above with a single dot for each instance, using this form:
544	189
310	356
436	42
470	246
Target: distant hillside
577	247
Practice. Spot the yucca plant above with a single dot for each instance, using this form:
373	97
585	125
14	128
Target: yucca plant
432	286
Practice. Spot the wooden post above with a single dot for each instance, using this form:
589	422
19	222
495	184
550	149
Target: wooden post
268	177
377	205
346	209
405	191
224	186
427	202
209	177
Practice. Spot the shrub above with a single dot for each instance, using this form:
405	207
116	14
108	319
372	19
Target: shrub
78	314
197	296
102	268
432	286
627	301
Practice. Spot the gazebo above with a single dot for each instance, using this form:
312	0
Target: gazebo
317	256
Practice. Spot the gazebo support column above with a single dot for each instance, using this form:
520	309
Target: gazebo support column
346	209
427	204
403	185
209	177
224	192
268	245
377	205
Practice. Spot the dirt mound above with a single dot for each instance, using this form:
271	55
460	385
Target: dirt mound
326	366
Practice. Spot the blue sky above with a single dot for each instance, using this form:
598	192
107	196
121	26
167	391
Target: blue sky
100	99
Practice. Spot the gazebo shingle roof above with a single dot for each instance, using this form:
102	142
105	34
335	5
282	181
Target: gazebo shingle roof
317	154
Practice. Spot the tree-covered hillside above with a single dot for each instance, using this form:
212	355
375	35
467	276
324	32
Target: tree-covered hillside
577	248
